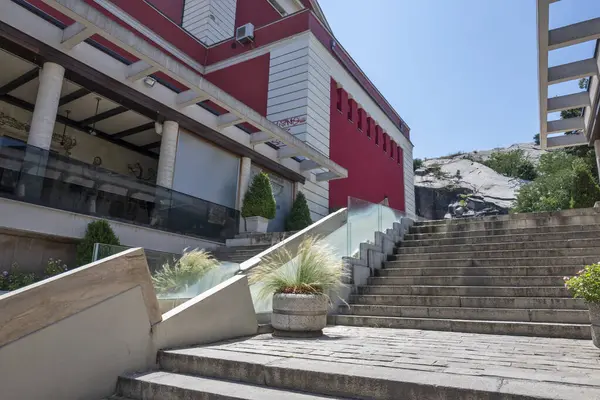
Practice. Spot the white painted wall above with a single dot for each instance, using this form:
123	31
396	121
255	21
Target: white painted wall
299	100
211	21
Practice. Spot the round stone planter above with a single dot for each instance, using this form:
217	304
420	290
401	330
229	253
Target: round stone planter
299	315
595	320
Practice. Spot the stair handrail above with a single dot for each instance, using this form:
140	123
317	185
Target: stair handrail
322	227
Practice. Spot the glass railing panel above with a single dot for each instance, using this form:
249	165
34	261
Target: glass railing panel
157	259
364	219
40	177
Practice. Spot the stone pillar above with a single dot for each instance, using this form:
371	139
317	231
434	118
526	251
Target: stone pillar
168	152
245	168
244	184
46	106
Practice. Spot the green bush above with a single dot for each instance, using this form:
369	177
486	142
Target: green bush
16	279
299	217
585	189
417	163
546	193
512	163
96	232
586	284
259	200
55	267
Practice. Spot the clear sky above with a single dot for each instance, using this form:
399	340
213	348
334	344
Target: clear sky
461	73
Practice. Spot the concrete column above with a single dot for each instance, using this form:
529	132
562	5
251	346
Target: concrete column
168	152
244	184
46	106
245	168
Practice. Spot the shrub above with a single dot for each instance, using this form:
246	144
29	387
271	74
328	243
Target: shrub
187	271
55	267
96	232
259	200
586	284
555	161
585	190
313	269
547	193
299	217
16	279
512	163
417	163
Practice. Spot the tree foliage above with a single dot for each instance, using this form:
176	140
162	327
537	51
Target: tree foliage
299	217
96	232
512	163
417	163
565	181
585	189
259	200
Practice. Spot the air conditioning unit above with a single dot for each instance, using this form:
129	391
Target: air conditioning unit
245	33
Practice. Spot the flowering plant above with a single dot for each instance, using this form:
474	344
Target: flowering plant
586	284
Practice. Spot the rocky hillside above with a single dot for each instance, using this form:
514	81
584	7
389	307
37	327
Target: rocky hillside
459	185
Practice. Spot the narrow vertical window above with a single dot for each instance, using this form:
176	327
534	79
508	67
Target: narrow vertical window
350	110
360	118
392	149
385	142
377	135
339	99
369	124
399	154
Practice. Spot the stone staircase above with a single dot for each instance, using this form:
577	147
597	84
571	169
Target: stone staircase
238	254
497	275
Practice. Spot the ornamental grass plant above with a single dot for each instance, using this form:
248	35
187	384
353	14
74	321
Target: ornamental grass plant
177	276
312	269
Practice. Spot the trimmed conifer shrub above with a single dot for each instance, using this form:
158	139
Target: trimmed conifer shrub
299	217
96	232
259	200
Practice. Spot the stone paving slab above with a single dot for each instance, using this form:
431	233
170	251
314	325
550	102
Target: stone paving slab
540	367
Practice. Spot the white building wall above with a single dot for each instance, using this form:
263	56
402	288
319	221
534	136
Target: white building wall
211	21
299	101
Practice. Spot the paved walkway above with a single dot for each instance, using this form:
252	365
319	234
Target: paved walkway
572	365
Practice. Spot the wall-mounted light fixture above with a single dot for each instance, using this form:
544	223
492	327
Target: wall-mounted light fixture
149	81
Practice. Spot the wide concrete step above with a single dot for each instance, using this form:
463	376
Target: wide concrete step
576	212
571	229
169	386
527	223
507	253
494	262
521	242
543	329
474	291
348	379
471	302
517	281
560	270
491	314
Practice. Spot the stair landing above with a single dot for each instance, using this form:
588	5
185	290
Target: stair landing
380	363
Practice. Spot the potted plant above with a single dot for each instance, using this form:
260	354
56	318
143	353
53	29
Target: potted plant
174	279
586	285
299	217
301	284
259	204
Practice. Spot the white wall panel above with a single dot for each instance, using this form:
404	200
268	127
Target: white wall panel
211	21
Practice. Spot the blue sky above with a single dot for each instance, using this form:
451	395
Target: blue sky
461	73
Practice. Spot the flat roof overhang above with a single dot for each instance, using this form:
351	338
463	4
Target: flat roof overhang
548	40
90	21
